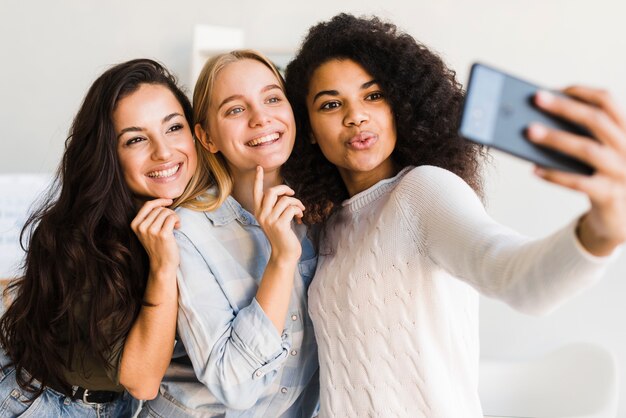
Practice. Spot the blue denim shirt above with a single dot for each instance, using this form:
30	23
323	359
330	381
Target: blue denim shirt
244	366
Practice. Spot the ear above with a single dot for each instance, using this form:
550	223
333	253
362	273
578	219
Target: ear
203	136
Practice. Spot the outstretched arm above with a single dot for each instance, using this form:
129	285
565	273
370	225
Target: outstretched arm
451	227
150	342
603	227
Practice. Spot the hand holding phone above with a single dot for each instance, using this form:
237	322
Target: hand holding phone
497	111
499	108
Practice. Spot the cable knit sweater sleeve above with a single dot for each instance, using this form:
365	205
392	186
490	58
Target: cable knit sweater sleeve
449	224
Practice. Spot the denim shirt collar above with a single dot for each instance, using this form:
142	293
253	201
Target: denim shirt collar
230	211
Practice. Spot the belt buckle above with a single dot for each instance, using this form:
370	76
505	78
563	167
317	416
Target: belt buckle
85	394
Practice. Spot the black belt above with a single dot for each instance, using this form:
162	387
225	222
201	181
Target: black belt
182	360
95	396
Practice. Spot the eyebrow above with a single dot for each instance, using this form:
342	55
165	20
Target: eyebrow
240	96
138	129
364	86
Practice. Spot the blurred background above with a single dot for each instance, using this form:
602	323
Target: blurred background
52	51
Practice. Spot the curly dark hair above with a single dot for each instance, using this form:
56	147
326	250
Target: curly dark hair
85	270
424	95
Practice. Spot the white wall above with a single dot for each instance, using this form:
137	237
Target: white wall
51	51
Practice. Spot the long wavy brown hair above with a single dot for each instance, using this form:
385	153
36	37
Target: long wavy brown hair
423	93
85	271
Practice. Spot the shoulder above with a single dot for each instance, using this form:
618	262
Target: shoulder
431	173
194	224
198	214
432	182
190	218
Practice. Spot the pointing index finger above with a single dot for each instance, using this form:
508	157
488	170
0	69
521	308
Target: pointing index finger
258	189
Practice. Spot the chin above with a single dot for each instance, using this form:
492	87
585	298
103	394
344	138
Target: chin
168	195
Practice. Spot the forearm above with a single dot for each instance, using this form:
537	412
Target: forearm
234	346
275	289
532	275
150	342
236	358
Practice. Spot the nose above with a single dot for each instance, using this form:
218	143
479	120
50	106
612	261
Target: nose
160	149
355	115
258	117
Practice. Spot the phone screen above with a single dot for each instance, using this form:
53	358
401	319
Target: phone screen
499	107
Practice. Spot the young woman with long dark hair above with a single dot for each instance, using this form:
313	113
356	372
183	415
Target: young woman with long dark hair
95	310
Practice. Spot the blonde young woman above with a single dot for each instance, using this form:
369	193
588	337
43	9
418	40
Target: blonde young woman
245	259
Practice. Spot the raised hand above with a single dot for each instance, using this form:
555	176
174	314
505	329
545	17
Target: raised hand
148	347
154	226
274	209
604	226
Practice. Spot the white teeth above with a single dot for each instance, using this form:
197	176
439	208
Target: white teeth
164	173
263	139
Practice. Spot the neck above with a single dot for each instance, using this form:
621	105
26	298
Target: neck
244	185
358	181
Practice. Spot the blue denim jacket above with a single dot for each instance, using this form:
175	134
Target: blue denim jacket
244	366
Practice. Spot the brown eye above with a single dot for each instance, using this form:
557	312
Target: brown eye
134	140
175	128
330	105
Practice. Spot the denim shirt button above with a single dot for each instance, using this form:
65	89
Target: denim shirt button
294	317
283	390
294	352
258	373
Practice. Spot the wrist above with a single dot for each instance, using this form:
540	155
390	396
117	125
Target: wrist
160	290
163	272
283	260
593	241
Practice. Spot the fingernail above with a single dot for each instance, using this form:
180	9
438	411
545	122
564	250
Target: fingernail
536	132
540	171
544	97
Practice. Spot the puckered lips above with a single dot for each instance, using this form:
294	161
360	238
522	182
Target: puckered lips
362	141
165	172
265	139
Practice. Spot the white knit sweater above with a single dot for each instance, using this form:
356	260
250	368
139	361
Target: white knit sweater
395	303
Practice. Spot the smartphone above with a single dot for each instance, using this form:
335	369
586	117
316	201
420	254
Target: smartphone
497	111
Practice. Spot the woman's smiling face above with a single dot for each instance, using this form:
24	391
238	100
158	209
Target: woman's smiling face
154	142
250	120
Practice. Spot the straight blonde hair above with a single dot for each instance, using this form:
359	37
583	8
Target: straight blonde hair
212	169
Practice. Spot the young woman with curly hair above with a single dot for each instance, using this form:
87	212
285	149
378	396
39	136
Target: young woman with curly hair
95	311
406	245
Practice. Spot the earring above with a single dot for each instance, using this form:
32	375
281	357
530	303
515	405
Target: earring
312	139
